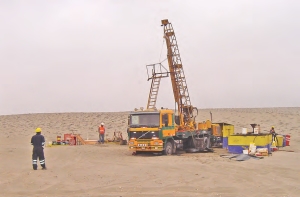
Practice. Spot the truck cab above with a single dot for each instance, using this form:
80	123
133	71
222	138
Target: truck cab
149	130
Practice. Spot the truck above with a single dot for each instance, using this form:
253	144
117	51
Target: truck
166	130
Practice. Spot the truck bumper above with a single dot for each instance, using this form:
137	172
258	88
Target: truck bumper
146	149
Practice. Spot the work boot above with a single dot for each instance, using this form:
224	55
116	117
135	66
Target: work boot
44	167
34	166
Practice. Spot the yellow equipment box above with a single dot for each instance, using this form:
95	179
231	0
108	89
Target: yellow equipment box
245	140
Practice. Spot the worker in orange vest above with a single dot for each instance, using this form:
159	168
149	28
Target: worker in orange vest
101	131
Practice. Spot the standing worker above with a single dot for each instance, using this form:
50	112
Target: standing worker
274	135
101	131
38	142
272	130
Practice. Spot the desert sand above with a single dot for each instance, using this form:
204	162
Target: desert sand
111	170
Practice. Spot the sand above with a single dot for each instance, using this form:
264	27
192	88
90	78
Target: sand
111	170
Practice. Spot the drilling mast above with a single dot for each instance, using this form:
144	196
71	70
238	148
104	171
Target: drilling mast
180	90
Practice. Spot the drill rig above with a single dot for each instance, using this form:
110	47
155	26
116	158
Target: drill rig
167	130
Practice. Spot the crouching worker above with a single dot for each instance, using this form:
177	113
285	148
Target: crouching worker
38	142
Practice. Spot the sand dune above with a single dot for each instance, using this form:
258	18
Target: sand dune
111	170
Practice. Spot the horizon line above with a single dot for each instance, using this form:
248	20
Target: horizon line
68	112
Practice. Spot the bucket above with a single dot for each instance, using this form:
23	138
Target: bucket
287	140
252	148
244	131
246	152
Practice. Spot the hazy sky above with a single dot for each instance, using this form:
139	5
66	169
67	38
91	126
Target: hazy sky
91	56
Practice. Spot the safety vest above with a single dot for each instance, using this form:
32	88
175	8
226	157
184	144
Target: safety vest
101	130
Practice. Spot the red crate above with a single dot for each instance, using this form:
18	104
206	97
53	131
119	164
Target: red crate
71	138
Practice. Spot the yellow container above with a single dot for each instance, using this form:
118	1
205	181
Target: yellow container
280	141
245	140
227	129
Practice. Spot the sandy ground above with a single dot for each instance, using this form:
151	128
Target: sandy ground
111	170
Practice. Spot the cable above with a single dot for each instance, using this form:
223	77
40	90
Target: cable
161	49
163	60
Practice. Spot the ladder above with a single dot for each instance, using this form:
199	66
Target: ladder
157	71
153	92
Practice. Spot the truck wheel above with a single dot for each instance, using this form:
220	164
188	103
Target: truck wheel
168	149
191	143
174	148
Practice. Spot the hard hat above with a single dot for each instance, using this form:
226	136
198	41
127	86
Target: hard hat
102	123
273	127
38	130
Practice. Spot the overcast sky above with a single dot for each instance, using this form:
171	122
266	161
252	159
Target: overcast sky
91	56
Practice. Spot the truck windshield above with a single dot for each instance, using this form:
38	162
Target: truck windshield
146	120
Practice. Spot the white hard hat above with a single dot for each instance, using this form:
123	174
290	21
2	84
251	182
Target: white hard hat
102	123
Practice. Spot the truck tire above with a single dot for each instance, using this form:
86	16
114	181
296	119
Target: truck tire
174	148
168	149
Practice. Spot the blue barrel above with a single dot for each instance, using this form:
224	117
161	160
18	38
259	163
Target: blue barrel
284	141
